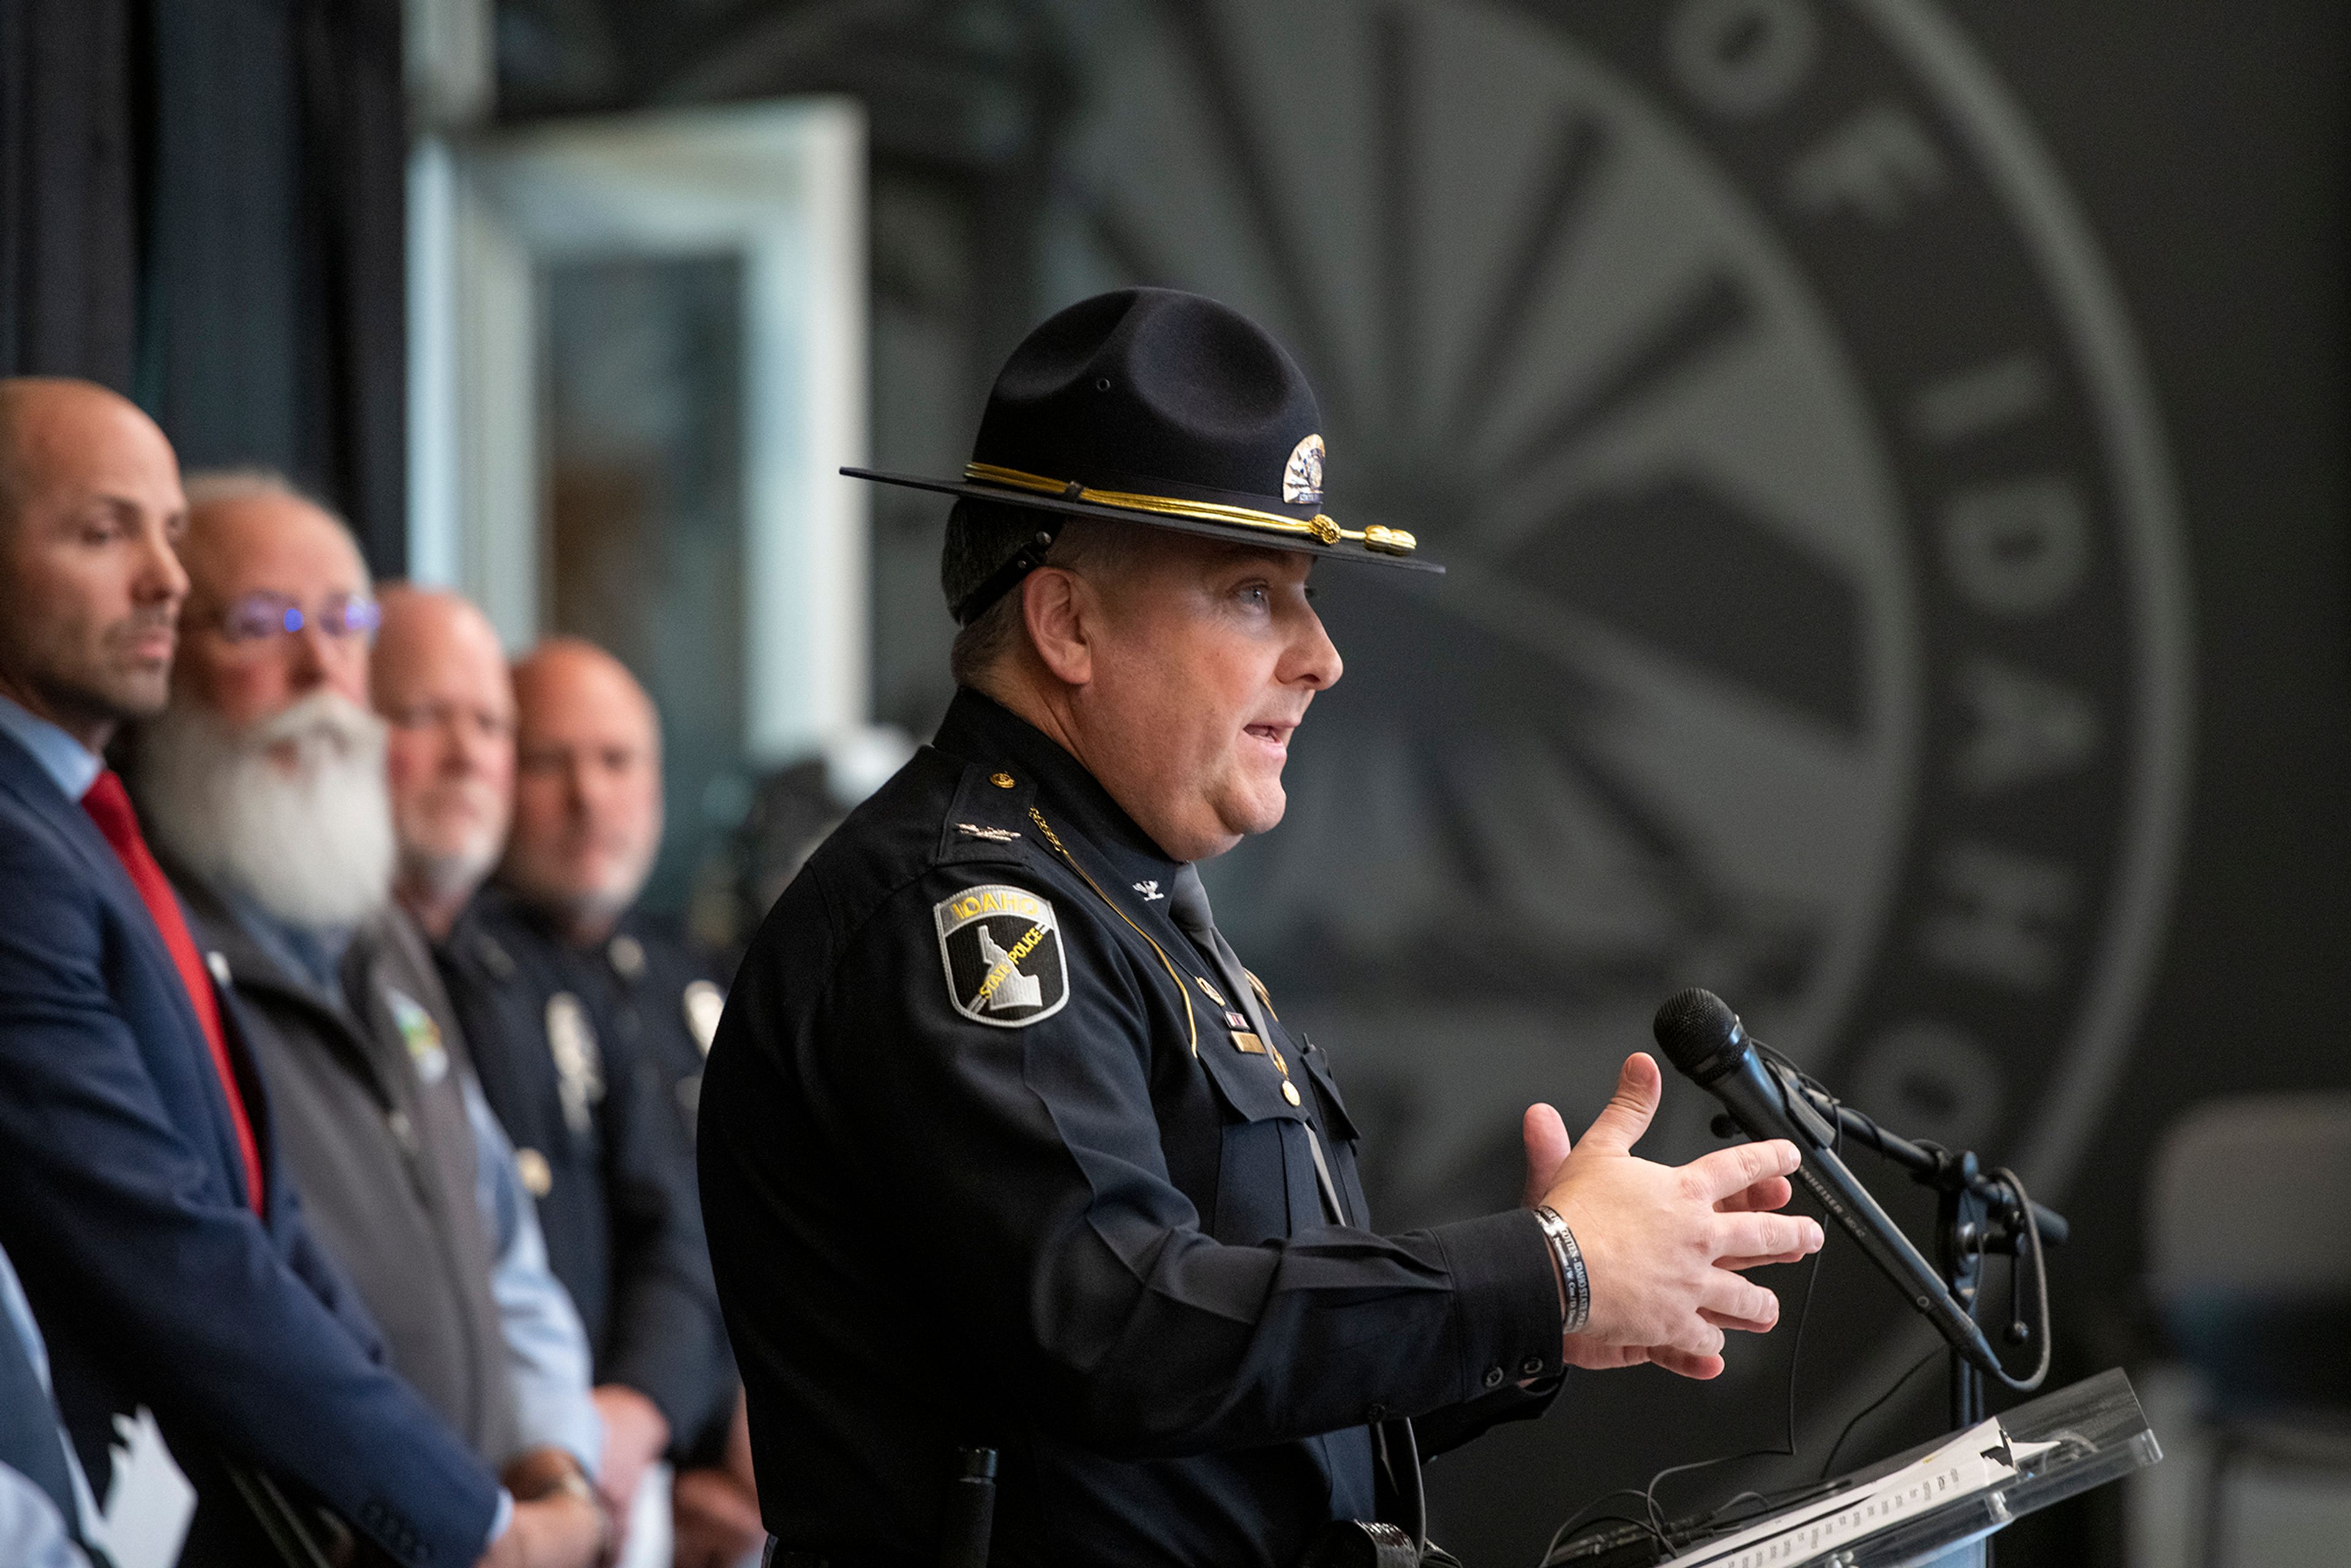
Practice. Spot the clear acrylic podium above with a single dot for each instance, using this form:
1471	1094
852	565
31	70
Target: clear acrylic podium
1938	1503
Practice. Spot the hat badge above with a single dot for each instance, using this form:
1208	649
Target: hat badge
1301	477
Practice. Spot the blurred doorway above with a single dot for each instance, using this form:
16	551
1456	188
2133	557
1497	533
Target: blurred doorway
638	357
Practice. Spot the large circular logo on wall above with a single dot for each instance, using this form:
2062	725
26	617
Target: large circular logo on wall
1815	629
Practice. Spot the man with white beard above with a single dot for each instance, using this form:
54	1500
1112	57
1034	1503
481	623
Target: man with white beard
263	785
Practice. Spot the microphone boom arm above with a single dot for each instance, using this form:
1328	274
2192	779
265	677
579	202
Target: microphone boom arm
1931	1164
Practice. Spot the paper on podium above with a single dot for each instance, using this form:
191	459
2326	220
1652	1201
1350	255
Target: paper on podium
1918	1506
1970	1462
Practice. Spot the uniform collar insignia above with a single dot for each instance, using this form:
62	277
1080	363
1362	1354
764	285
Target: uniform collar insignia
1150	889
495	959
982	733
627	955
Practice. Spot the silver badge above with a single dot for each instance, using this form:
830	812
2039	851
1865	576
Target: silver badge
704	1004
578	1065
1002	950
1302	478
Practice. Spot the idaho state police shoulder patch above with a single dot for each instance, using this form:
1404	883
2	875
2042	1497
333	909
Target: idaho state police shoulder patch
1002	949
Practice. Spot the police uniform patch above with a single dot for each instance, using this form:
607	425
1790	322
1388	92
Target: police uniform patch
1001	947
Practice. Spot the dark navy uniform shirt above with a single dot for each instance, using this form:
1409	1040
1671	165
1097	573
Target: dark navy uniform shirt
600	1143
989	1158
662	992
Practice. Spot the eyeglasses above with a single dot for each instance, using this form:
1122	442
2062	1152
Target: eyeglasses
256	617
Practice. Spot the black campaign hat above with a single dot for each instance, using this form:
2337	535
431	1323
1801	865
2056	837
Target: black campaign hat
1150	405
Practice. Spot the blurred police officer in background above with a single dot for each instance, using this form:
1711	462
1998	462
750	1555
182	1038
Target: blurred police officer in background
1001	1147
587	826
439	680
154	1226
536	965
263	782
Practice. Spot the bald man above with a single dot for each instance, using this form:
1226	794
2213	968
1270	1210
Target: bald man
587	826
153	1224
439	679
581	1013
589	805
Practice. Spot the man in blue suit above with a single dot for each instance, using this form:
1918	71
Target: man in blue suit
161	1248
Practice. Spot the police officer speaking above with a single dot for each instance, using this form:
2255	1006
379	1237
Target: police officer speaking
1002	1148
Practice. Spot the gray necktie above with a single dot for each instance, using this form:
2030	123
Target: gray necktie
1187	905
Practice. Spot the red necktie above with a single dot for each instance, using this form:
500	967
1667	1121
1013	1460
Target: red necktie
109	805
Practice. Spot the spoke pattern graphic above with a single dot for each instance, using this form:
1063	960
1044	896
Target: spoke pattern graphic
1578	150
1543	849
1395	43
1248	157
1702	321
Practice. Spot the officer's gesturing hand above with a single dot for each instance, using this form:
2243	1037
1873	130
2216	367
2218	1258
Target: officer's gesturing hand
1662	1244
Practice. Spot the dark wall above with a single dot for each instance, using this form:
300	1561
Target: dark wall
2210	150
201	205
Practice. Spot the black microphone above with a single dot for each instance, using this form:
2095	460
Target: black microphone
1702	1037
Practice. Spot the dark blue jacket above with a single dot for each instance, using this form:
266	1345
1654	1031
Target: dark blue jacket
122	1203
989	1158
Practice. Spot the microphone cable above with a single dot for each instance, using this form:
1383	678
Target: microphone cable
1653	1522
2040	1284
1875	1406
